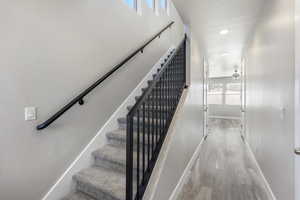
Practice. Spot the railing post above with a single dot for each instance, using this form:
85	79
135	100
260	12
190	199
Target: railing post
129	158
184	57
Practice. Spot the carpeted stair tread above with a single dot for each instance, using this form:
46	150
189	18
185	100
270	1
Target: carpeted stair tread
113	158
118	138
118	134
101	183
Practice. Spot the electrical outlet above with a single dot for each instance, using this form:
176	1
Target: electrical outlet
30	113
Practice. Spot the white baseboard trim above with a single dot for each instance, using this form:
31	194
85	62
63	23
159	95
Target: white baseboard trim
65	184
158	168
260	171
186	172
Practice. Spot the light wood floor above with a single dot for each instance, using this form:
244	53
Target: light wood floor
224	170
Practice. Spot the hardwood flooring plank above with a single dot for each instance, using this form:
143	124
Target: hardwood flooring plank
224	169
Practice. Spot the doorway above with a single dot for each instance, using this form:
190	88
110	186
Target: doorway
224	95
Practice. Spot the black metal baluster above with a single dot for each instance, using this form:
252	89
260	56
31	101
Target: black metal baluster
165	102
152	126
170	89
138	156
163	108
177	78
184	65
176	85
166	99
182	71
172	82
160	108
170	92
157	112
148	132
172	86
167	92
129	158
144	156
155	122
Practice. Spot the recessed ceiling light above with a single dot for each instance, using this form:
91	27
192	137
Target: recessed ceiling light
224	32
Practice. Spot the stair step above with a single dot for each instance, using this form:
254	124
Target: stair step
101	183
117	138
78	196
113	158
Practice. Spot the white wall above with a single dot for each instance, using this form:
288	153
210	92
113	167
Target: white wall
50	51
188	127
297	98
270	96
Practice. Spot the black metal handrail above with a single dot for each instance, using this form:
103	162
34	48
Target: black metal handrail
149	120
80	97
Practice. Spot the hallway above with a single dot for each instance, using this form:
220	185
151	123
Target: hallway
225	168
150	100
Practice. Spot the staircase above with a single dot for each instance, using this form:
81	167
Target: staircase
106	179
121	171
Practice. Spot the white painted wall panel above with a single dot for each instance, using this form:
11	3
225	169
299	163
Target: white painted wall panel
270	96
50	51
297	98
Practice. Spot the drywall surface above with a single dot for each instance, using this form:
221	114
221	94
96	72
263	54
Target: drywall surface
188	128
270	96
52	50
297	98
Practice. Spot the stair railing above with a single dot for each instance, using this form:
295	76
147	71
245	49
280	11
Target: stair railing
80	98
149	120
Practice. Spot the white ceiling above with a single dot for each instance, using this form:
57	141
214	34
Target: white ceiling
208	17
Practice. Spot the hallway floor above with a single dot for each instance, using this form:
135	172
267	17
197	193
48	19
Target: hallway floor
224	169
